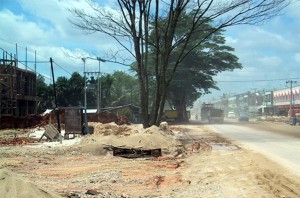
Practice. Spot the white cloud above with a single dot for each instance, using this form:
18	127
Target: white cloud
297	58
263	50
272	61
230	40
43	26
17	29
266	52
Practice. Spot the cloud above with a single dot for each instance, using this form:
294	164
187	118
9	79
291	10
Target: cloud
273	61
43	26
16	28
267	52
50	34
297	58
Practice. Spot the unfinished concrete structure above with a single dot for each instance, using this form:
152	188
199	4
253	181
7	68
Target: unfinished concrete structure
17	89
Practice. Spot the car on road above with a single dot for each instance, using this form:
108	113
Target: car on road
231	114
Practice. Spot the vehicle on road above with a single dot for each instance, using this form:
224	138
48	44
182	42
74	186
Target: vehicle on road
231	114
244	116
216	116
172	116
205	108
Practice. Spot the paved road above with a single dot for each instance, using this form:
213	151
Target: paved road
285	150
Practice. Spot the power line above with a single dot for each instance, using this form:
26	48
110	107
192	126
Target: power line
33	61
241	81
280	79
35	71
62	68
22	62
20	46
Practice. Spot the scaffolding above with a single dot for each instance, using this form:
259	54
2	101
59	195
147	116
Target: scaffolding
17	88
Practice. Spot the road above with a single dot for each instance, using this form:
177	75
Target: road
272	142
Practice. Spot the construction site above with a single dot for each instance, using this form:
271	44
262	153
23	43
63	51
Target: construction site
18	88
42	156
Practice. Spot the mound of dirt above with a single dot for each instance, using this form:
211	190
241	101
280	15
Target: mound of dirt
130	136
113	129
12	185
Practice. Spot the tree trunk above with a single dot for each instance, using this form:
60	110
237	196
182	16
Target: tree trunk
181	106
161	104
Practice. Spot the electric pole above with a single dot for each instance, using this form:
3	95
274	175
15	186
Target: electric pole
85	102
292	97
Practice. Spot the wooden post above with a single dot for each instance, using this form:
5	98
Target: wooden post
56	109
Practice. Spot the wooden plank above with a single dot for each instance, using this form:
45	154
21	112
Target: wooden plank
51	133
135	152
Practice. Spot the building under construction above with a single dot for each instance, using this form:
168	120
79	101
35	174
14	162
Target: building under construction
17	88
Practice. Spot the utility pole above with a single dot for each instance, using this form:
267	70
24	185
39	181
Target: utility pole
99	84
292	97
55	100
99	80
26	58
85	102
99	90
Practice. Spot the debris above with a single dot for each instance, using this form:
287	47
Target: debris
92	192
133	152
164	126
51	133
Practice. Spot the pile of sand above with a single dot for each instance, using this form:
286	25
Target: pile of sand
113	129
12	185
130	136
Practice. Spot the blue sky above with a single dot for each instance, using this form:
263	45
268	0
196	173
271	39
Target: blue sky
267	52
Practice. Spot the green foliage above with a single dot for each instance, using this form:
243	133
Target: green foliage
45	92
124	89
126	112
70	92
195	71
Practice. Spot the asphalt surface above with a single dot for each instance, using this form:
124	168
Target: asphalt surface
281	148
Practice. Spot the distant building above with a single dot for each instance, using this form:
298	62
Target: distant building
267	105
277	102
284	98
17	88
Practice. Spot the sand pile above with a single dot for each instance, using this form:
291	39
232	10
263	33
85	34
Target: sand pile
12	185
133	136
113	129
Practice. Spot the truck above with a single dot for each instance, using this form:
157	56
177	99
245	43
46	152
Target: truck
171	115
205	108
243	116
216	116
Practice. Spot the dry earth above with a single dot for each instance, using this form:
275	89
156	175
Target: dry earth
195	163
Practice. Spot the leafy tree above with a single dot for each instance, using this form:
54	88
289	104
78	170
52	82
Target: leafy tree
194	75
106	84
45	92
124	89
63	91
76	85
133	24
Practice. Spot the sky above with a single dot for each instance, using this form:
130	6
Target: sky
269	54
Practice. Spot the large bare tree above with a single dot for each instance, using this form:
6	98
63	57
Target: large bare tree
131	22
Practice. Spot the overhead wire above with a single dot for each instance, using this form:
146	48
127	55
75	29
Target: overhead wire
62	68
265	80
34	70
28	49
179	69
